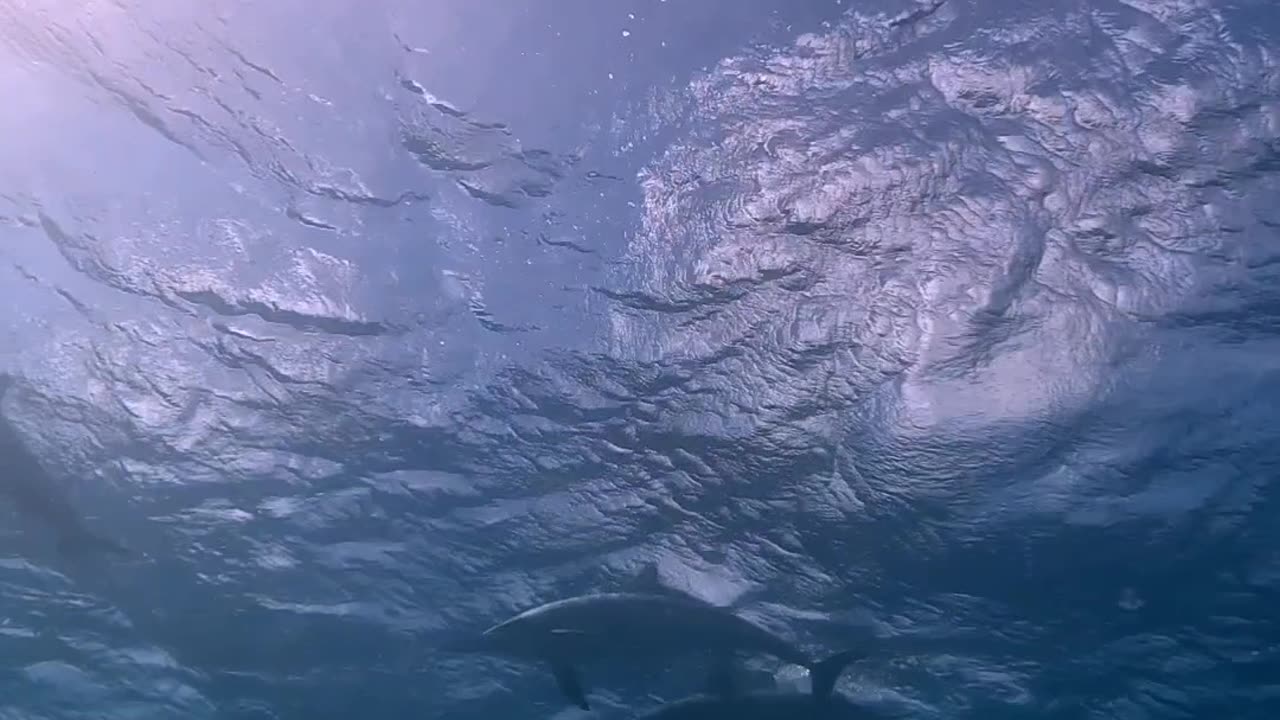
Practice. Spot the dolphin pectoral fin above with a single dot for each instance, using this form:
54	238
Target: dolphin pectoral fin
569	684
722	680
823	675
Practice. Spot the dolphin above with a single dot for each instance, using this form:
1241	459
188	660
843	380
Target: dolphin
583	629
820	704
25	483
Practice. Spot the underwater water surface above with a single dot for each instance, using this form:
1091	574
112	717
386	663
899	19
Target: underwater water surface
948	330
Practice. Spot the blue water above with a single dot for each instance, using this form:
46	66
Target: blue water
948	330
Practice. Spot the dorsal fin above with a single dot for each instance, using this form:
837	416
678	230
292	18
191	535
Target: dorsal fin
823	675
650	580
653	580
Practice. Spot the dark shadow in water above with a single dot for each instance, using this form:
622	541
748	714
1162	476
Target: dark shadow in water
24	482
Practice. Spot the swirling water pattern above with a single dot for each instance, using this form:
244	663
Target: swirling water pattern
947	329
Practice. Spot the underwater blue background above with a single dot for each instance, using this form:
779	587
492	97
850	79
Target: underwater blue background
947	330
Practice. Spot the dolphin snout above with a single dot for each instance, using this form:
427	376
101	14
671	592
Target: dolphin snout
467	644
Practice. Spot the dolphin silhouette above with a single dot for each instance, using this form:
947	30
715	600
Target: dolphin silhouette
820	704
25	483
587	628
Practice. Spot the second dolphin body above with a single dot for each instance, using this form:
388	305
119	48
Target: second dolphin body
580	630
822	703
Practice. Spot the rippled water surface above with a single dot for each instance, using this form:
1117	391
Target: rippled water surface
947	330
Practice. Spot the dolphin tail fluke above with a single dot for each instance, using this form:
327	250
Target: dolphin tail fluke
569	683
823	674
